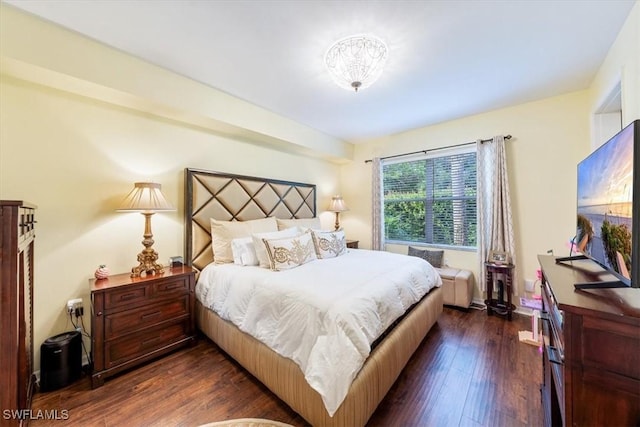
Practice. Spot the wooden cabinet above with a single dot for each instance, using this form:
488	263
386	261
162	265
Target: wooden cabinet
17	237
591	360
137	319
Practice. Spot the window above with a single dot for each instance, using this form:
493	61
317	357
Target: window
432	199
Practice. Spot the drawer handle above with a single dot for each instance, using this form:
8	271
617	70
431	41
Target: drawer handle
151	341
149	315
126	297
554	355
172	286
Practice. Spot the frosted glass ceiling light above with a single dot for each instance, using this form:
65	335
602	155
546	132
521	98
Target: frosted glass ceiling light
355	62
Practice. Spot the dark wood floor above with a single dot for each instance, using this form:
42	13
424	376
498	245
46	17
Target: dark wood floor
471	370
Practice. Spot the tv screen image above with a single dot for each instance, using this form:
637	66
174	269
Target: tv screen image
605	204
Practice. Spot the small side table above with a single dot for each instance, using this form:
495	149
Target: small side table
498	305
352	244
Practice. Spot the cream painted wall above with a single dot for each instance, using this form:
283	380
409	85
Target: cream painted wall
621	66
38	51
549	138
76	159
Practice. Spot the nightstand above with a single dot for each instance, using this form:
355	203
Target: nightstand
499	305
138	319
353	244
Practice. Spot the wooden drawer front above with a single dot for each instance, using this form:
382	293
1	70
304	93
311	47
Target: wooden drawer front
126	296
171	287
142	343
129	321
612	347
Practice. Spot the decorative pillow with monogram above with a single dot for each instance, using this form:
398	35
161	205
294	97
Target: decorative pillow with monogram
329	244
290	252
261	250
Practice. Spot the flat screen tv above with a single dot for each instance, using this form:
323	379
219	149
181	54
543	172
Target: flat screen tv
608	209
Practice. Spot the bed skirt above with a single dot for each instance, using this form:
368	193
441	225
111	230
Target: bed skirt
285	379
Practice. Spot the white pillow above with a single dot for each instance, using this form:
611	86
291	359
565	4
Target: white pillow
290	252
223	232
329	244
261	249
306	223
243	251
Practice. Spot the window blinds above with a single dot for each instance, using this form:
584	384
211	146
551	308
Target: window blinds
431	200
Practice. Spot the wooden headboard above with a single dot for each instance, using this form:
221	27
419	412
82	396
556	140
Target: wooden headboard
236	198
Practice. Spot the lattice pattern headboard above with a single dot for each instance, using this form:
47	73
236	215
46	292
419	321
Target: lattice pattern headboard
234	197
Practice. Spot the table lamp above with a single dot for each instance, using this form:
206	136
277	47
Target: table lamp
337	205
147	199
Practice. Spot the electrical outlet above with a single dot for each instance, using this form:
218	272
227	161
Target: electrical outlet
529	285
74	304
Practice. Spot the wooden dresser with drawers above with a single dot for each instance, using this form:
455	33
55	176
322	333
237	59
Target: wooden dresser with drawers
138	319
591	357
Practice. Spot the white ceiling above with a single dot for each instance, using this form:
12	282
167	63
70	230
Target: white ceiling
447	59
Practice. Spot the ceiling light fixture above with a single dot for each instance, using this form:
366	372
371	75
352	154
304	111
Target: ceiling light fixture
355	62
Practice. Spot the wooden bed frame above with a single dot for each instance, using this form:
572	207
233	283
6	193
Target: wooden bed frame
233	197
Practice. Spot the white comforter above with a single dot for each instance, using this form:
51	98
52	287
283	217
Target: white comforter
324	315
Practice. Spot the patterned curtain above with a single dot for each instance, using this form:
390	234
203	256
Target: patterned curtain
495	224
377	239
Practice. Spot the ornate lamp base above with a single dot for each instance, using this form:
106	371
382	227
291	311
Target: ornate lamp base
337	224
148	257
148	263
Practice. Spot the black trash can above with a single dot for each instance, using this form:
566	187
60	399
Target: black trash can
60	360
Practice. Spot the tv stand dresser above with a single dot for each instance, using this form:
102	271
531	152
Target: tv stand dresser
591	360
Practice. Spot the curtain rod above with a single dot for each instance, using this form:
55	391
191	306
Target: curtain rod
482	141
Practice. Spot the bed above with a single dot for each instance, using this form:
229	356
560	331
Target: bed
231	197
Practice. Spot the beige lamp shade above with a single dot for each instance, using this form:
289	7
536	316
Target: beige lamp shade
145	197
337	205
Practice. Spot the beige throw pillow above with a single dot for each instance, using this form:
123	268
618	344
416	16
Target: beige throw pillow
305	223
223	232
